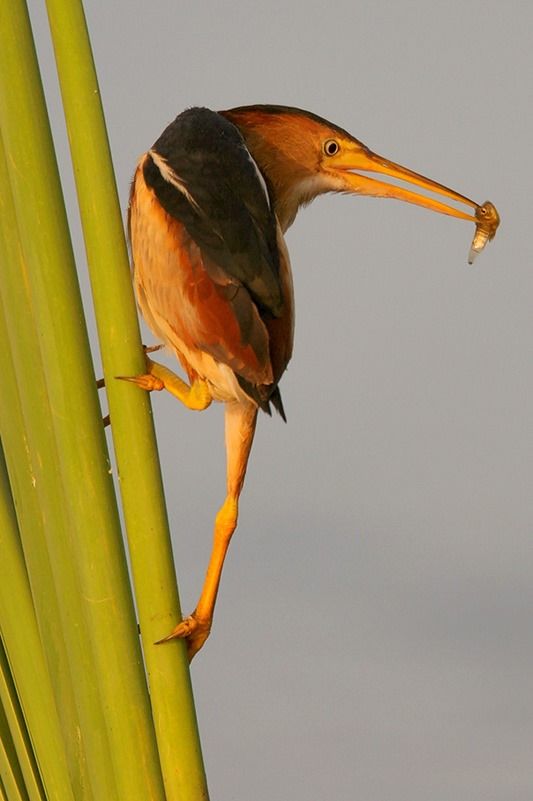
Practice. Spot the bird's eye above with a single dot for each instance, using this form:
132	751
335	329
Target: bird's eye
331	147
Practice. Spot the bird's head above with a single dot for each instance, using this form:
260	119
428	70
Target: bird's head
302	156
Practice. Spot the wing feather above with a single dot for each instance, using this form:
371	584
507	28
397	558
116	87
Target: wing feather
209	182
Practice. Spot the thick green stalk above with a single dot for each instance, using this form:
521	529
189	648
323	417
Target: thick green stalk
132	428
86	552
27	663
25	428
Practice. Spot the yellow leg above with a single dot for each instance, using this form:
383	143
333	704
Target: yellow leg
197	396
240	428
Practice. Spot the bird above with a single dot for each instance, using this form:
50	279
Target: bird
209	205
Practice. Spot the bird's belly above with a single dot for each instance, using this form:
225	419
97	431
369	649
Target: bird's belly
221	379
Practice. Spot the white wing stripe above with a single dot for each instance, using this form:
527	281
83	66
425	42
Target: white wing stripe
168	174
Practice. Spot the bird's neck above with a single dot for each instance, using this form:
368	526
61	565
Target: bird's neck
291	195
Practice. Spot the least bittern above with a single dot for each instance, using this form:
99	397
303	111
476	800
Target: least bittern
209	205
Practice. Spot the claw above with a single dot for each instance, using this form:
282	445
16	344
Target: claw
195	632
148	382
100	382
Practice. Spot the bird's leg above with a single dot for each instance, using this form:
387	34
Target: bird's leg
196	396
240	420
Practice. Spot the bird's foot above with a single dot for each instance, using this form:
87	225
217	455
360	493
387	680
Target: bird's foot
100	382
197	396
145	381
191	629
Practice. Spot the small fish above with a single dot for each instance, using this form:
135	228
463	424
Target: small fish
488	221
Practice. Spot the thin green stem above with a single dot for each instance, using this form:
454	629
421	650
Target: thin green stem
14	791
18	768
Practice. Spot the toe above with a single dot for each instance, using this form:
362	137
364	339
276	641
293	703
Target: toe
148	382
195	632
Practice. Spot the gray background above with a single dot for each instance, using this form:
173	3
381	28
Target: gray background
373	633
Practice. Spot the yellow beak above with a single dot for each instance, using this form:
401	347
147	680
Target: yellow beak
359	157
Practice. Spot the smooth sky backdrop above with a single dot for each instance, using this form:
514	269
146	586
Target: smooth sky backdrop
373	635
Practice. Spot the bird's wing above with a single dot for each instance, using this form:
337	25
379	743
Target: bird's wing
204	177
180	300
